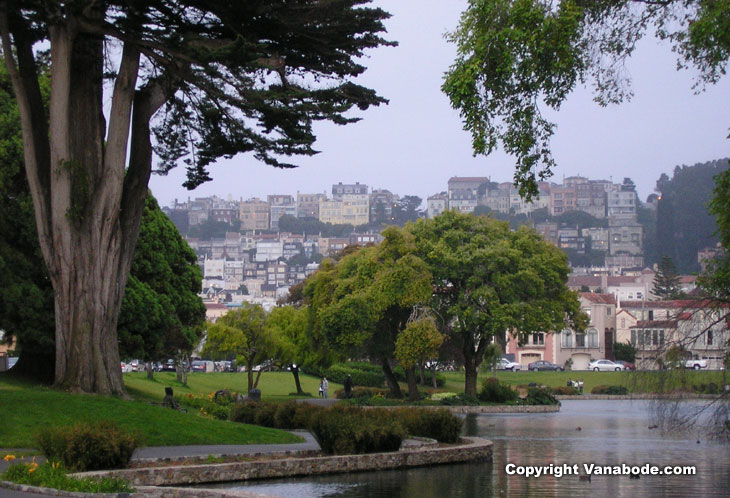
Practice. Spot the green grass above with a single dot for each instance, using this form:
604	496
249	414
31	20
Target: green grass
274	386
636	382
25	407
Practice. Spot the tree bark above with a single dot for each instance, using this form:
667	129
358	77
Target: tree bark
88	205
412	384
390	379
433	376
295	373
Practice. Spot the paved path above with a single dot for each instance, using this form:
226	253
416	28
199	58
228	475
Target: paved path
182	452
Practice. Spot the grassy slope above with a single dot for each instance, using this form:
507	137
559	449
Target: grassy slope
24	408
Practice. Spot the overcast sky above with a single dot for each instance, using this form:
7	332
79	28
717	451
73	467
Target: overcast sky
416	143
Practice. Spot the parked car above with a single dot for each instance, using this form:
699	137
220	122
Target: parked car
198	366
695	364
543	365
505	364
168	366
626	365
126	367
605	366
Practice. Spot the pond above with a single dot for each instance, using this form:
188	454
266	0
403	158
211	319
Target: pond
604	433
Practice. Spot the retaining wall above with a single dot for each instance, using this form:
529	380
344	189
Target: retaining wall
474	449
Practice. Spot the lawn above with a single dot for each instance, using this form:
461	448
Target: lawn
25	407
274	386
636	382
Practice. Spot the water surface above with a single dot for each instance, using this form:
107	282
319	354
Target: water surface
583	432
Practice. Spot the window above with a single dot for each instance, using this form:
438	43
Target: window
538	339
709	337
633	338
567	336
608	311
580	340
651	314
593	338
623	323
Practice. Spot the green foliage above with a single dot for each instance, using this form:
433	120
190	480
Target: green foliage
461	399
418	342
488	279
438	424
52	475
363	393
493	391
346	431
619	390
624	351
540	396
242	332
683	222
492	354
368	378
564	391
516	56
85	447
716	279
667	284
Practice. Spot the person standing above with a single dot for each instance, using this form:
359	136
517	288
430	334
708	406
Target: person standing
348	387
325	386
321	392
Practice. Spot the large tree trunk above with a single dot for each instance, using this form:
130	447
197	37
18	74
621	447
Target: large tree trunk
412	384
473	356
390	379
88	204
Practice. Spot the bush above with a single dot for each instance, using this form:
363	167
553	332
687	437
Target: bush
439	424
710	388
461	399
540	396
494	391
442	396
53	475
360	376
88	446
620	390
362	392
244	412
564	390
349	430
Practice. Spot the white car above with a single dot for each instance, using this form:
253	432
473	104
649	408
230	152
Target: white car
505	364
605	366
126	367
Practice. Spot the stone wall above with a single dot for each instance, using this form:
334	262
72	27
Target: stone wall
474	449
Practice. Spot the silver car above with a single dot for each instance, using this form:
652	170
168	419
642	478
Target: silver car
605	366
505	364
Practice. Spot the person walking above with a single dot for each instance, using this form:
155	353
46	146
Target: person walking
325	386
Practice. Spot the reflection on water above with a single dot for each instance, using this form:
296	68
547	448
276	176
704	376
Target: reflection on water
598	432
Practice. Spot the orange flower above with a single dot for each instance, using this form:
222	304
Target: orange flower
9	457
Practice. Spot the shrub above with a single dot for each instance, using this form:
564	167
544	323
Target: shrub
494	391
360	377
441	396
461	399
88	446
710	388
439	424
621	390
362	392
349	430
564	390
53	475
540	396
244	412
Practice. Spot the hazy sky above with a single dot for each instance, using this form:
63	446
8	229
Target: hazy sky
416	143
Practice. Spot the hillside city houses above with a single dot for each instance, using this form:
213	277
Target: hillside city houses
258	263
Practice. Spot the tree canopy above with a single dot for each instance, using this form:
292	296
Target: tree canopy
209	79
363	303
489	280
666	283
515	56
